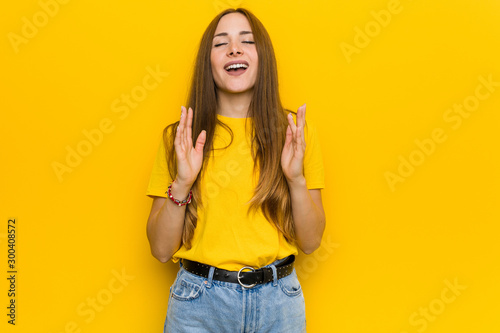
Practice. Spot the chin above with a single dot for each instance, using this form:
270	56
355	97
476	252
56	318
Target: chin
241	91
237	90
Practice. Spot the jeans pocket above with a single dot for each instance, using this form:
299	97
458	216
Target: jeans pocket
290	285
186	290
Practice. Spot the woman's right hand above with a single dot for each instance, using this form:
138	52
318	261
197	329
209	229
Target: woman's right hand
189	158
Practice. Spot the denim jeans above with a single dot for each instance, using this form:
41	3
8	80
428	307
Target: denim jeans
203	305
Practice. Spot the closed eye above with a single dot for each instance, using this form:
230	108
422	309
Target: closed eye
247	42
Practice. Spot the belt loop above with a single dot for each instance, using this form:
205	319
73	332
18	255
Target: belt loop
210	276
275	276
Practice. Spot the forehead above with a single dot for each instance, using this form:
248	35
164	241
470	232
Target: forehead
234	22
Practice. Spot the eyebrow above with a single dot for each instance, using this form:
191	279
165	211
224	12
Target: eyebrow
225	33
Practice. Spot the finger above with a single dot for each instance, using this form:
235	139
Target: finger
183	111
291	123
288	146
178	125
298	116
289	135
186	129
200	141
189	127
182	125
177	140
182	120
304	116
304	126
303	123
301	112
298	139
303	139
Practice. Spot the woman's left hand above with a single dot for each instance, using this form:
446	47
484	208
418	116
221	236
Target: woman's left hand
292	157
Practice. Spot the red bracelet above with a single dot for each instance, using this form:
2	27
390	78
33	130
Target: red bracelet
176	201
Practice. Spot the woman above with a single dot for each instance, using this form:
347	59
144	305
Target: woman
234	207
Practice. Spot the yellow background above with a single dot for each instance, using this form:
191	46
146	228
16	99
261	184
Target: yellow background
389	253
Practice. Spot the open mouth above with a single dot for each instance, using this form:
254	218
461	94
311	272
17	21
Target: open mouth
236	69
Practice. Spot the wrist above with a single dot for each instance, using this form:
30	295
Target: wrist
181	186
299	181
178	190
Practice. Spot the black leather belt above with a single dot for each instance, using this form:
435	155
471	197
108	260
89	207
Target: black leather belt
245	278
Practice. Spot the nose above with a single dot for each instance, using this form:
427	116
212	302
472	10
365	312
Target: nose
234	49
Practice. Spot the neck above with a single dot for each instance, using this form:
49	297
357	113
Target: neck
233	105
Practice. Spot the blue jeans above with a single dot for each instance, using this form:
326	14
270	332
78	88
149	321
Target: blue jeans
202	305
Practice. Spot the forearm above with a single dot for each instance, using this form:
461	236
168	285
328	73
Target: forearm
308	218
165	225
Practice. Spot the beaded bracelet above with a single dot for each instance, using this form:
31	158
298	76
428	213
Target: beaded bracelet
176	201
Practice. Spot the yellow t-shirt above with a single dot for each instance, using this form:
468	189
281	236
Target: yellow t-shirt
225	236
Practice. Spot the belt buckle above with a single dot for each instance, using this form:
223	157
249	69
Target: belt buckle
241	283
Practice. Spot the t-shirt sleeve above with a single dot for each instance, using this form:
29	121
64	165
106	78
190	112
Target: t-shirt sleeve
313	159
160	178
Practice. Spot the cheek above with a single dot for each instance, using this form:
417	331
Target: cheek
213	61
216	74
212	64
217	63
256	67
255	61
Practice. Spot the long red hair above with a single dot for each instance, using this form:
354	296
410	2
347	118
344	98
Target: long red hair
271	194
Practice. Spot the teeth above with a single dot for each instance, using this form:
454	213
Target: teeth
234	66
